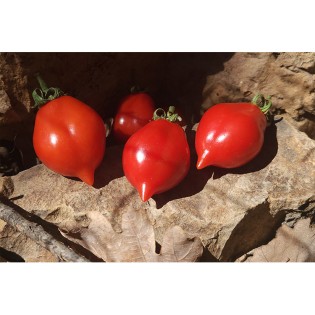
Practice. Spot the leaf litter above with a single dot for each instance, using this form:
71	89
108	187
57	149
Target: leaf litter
136	242
290	245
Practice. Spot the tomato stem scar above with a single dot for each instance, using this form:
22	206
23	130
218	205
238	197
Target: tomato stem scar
170	115
263	103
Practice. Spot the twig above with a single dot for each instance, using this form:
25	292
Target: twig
36	232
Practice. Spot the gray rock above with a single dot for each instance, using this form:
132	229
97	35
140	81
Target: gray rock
14	94
238	209
17	247
288	77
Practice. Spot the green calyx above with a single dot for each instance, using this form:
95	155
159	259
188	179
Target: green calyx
170	115
44	94
263	103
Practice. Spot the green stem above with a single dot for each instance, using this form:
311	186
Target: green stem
44	94
263	103
42	83
170	115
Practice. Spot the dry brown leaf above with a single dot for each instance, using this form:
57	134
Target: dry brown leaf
290	245
136	243
176	246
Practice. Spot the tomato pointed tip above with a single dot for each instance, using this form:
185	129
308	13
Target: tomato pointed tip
145	193
200	165
144	199
87	177
203	160
90	183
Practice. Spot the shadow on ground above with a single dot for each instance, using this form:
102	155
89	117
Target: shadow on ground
195	180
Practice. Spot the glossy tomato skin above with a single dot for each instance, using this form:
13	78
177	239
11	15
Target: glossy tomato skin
156	158
134	112
69	138
229	135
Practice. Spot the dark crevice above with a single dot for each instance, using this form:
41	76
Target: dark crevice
276	54
157	248
309	116
207	256
310	70
10	256
308	206
245	238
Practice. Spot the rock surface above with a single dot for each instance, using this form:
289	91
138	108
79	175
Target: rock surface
17	247
288	77
232	211
14	96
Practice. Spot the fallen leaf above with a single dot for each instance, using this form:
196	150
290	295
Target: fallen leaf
177	247
136	242
290	245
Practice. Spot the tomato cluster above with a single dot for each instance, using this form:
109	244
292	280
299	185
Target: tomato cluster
70	138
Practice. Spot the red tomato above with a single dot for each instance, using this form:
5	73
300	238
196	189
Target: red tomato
69	138
135	111
156	158
230	134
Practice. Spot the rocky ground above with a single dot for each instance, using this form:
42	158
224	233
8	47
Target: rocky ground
232	212
263	211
